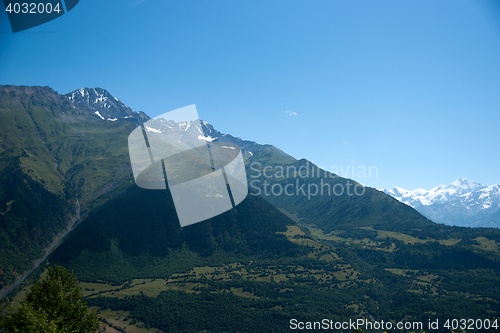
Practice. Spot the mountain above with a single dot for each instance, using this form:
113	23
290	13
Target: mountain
305	243
461	203
103	105
302	190
57	160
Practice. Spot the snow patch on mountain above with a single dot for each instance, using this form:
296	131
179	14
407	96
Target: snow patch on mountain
206	138
99	115
151	129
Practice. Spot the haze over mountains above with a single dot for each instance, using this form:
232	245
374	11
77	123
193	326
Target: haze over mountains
299	245
462	203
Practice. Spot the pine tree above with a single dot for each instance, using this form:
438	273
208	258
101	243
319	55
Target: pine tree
54	305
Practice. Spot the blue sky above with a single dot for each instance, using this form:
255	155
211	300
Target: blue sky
407	91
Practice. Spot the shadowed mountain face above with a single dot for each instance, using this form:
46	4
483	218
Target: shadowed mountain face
57	160
140	227
304	242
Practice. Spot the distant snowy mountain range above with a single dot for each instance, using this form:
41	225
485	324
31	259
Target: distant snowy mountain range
461	203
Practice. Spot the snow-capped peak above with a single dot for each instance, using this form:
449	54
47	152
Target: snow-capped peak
440	193
466	184
102	104
462	199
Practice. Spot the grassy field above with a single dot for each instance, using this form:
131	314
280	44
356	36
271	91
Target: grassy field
365	242
118	321
195	280
94	288
382	235
421	282
486	244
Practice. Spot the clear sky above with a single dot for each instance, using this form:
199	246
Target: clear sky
407	91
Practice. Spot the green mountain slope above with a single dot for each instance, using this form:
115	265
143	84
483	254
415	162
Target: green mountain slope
55	160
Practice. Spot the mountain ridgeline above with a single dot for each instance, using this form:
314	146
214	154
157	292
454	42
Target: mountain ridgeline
305	243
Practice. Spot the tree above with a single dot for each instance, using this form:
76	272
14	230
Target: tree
54	305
